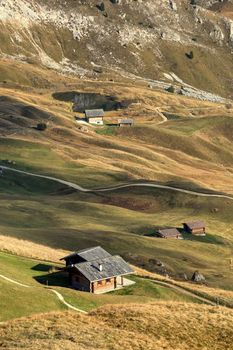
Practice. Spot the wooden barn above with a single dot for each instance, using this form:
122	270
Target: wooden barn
95	116
195	227
125	122
169	233
94	270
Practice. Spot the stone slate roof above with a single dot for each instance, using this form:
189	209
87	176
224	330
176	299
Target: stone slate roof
125	121
195	224
169	232
93	113
90	254
112	266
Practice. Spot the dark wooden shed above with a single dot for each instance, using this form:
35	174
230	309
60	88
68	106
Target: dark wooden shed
169	233
195	227
125	122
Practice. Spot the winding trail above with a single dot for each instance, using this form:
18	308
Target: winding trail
61	298
13	281
117	187
164	119
69	306
58	295
184	291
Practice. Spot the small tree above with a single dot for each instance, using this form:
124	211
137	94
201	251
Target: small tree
101	6
171	89
190	55
41	126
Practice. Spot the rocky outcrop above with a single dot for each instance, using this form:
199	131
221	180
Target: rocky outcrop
198	277
231	30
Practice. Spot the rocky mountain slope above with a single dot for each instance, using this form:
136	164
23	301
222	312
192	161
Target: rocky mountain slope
171	40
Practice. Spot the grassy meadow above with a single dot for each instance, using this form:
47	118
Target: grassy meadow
123	222
193	152
37	298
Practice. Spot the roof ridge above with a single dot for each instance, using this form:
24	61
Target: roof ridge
96	260
88	249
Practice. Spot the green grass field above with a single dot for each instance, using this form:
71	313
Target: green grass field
120	221
184	152
17	301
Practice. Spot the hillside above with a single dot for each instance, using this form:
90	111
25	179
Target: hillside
184	151
141	316
25	280
160	326
166	67
107	40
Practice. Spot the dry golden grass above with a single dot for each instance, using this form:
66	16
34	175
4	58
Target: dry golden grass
164	150
171	326
29	249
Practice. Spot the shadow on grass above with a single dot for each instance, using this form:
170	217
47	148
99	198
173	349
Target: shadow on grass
208	238
41	267
55	276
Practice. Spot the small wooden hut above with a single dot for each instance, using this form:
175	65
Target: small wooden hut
169	233
126	122
95	116
195	227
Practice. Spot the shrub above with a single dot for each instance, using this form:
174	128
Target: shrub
171	89
41	126
190	55
228	106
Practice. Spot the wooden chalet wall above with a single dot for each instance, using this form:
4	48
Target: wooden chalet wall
78	281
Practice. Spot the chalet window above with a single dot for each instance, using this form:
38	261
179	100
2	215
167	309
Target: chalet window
100	283
108	280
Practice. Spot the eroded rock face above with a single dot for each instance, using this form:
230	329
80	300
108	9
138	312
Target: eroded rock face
231	30
141	38
82	101
217	34
128	23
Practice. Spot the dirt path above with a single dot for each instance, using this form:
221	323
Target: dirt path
117	187
58	295
164	119
15	282
184	291
166	284
162	283
61	298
